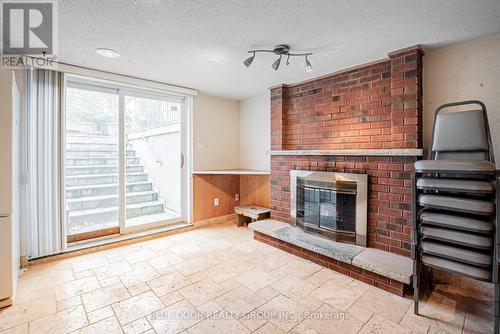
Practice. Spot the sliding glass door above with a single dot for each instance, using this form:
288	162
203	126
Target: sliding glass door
153	163
123	159
91	162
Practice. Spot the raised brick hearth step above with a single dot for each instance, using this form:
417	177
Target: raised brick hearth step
385	270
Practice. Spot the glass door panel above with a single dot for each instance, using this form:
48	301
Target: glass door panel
153	161
91	163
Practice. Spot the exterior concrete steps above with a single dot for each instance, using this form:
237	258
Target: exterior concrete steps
94	147
101	169
106	201
103	215
89	180
72	154
106	161
96	139
106	189
92	176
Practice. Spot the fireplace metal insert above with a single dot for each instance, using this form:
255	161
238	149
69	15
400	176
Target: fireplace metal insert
333	205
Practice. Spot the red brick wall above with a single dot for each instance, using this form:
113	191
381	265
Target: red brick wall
371	107
377	106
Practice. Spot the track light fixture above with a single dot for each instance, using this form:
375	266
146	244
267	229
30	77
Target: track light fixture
309	67
249	60
279	50
276	64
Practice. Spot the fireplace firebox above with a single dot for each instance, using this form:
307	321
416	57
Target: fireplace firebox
332	205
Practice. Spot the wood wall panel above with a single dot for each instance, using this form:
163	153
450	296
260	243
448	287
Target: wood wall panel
208	187
255	189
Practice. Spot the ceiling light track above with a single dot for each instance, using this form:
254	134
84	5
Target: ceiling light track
279	50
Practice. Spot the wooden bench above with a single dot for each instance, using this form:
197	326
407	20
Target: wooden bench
251	213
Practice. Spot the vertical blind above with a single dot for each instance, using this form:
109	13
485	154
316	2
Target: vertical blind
43	147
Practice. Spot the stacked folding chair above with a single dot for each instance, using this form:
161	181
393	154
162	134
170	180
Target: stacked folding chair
454	196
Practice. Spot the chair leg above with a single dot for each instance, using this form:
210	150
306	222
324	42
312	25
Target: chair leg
497	308
416	288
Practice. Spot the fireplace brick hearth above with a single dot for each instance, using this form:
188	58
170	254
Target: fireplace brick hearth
371	108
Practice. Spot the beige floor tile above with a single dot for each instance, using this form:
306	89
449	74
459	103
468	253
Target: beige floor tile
140	255
164	263
138	289
384	305
224	271
240	301
209	309
26	294
201	292
171	298
137	327
106	326
230	284
175	318
87	262
21	329
256	279
41	281
281	311
268	293
100	314
68	303
378	325
168	283
110	281
329	320
60	323
136	307
357	286
112	269
323	275
25	312
142	272
301	268
311	303
336	296
476	322
251	276
293	287
188	267
76	287
216	326
270	263
269	328
105	296
416	323
360	313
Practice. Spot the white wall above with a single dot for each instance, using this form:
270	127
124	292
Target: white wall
216	133
255	132
464	71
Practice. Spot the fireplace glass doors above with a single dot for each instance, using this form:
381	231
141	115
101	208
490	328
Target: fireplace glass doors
332	205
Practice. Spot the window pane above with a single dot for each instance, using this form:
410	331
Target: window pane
153	175
92	161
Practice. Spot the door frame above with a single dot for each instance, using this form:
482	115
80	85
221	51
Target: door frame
122	90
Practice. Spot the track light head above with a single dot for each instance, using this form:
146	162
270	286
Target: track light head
309	67
276	64
249	60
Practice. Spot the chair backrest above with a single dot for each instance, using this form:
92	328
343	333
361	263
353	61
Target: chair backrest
461	135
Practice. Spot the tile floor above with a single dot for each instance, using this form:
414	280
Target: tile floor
219	280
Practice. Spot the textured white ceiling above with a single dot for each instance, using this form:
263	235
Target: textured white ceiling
201	44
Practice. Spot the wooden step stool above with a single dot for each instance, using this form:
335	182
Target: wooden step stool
251	213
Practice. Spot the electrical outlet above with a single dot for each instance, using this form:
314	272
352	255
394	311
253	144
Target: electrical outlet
216	201
237	197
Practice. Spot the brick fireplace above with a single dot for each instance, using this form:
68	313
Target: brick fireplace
362	120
